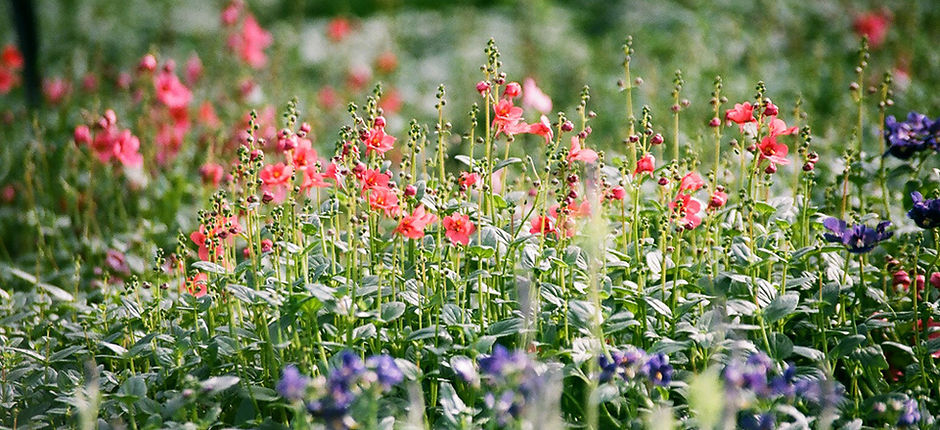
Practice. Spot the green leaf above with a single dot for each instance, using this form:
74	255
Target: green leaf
364	332
658	306
780	307
509	327
218	384
392	310
507	162
210	267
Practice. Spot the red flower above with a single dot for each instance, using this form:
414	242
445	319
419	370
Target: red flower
251	42
459	228
534	98
577	153
377	140
773	151
338	28
718	199
412	226
616	193
542	224
276	178
12	57
197	285
384	199
777	127
742	113
646	164
507	118
313	179
687	209
468	179
874	25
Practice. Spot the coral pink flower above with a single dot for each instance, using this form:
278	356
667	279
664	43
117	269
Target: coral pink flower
391	102
506	117
304	155
384	199
338	28
222	229
468	179
874	25
358	77
741	114
534	98
212	173
372	179
688	209
148	63
387	62
197	285
691	183
717	200
12	57
126	149
459	228
616	193
313	179
170	91
207	115
231	12
377	140
577	153
542	224
56	89
251	42
82	135
512	90
777	127
542	128
276	178
193	69
412	226
773	151
646	164
327	98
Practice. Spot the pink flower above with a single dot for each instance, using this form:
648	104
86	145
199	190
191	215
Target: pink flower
212	173
56	89
542	224
207	115
772	151
384	199
304	154
377	140
534	98
542	128
222	230
616	193
874	25
276	178
777	127
459	228
82	135
577	153
251	42
507	117
231	12
327	98
412	226
646	164
148	63
372	179
313	179
387	62
741	114
338	28
512	90
12	57
170	91
126	148
717	200
687	209
193	69
468	179
691	183
197	285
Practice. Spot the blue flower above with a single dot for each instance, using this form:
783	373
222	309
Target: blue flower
910	414
859	238
658	370
293	385
386	370
763	421
925	213
493	364
916	133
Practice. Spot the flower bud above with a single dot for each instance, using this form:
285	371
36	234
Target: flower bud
410	190
656	139
267	197
148	63
82	135
663	181
513	89
900	278
771	109
771	169
379	121
266	245
715	122
483	87
567	126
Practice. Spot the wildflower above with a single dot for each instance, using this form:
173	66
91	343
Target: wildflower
925	212
935	279
126	147
11	57
212	173
384	199
873	25
534	98
468	179
464	369
910	414
56	89
276	178
266	245
542	128
646	164
513	90
616	193
197	285
741	114
313	179
577	153
148	63
170	91
371	179
482	87
459	228
386	370
542	224
293	385
193	68
231	12
910	136
251	42
717	200
687	209
412	226
691	183
304	156
82	135
658	369
506	117
859	238
772	151
377	140
338	28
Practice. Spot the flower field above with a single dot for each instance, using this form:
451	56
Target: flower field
532	215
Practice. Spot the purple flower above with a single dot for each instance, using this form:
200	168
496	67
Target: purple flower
658	370
910	414
293	385
925	213
915	134
859	238
464	369
493	364
763	421
386	370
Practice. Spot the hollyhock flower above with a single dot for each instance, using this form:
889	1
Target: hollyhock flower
468	179
207	115
148	63
212	173
925	212
507	117
384	199
859	238
251	42
373	179
231	12
741	114
169	139
82	135
293	385
391	102
777	127
658	369
513	90
646	164
197	285
328	98
691	183
304	156
357	77
873	25
542	225
276	178
534	98
313	179
688	209
910	414
412	226
170	91
542	128
338	28
459	228
616	193
126	149
772	151
577	153
12	57
56	89
377	140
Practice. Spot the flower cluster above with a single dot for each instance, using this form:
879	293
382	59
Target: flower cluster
331	398
858	238
631	362
247	39
110	142
915	134
512	383
11	61
925	212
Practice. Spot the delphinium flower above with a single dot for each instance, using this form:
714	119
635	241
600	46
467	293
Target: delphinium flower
915	134
858	238
511	382
925	212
